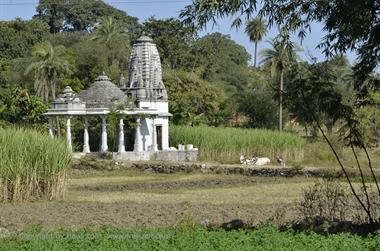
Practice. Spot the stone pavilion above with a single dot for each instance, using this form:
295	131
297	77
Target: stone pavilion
144	97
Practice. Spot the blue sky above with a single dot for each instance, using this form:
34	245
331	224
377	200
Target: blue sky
10	9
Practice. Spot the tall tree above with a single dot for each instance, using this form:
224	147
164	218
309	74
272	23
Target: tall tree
173	41
109	32
256	29
18	37
48	63
346	29
113	36
80	15
221	60
279	57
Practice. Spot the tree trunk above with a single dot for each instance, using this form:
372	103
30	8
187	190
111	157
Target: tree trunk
255	60
53	90
58	126
280	101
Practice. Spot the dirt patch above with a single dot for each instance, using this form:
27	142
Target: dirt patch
169	185
53	215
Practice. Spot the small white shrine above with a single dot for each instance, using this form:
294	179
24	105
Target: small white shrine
144	97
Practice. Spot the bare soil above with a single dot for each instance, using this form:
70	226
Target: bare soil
141	205
52	215
170	185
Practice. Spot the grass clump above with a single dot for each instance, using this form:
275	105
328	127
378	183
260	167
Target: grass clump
226	144
32	165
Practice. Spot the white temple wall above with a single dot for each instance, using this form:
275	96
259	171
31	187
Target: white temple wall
161	106
147	132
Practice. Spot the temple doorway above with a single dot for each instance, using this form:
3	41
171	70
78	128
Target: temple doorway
159	137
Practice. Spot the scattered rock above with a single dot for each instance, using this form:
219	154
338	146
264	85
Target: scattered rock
205	223
4	233
149	170
233	225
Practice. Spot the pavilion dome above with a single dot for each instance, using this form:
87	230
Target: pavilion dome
102	94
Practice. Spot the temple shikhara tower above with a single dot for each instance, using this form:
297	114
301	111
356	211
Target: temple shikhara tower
147	88
143	97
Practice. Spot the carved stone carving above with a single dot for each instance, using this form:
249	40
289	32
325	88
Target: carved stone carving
68	100
145	74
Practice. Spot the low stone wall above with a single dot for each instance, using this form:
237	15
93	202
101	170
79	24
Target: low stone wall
167	155
266	171
108	162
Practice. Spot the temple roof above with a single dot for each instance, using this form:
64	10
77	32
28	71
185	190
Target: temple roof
144	39
145	73
102	94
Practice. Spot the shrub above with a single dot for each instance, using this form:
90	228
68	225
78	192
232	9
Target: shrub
226	144
325	199
32	165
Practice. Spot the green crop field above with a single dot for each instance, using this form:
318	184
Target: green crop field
226	144
31	165
185	238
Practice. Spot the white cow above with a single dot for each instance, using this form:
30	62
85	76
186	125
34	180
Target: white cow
254	161
262	161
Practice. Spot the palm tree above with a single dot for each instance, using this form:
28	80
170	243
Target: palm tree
112	35
256	29
281	55
48	62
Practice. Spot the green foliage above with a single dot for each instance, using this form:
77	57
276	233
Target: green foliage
32	165
110	238
319	92
222	61
18	36
260	108
193	100
19	107
256	29
78	15
173	41
48	62
282	54
369	117
227	144
346	29
111	33
88	65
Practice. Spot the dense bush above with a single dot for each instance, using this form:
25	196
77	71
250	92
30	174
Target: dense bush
260	108
19	107
226	144
193	100
32	166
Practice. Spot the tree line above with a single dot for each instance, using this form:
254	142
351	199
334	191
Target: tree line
209	78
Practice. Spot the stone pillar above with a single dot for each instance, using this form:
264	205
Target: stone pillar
104	145
154	136
68	133
51	127
138	144
121	136
86	143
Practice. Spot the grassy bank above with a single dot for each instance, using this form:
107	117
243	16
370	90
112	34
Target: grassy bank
226	144
185	238
32	165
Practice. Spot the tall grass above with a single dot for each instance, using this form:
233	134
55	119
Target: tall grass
226	144
32	165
